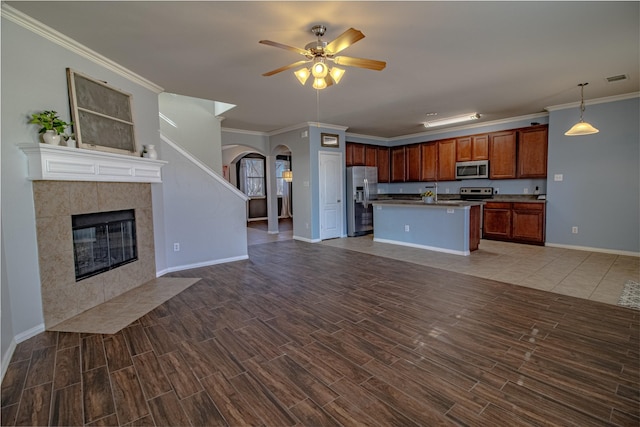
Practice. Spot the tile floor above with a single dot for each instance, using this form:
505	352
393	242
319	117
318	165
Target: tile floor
589	275
117	313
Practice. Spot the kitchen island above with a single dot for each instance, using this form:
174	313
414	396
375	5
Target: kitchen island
446	226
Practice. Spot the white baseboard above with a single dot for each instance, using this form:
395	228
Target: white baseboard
6	358
201	264
22	336
590	249
429	248
304	239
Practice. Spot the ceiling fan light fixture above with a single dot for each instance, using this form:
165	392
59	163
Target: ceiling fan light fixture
582	127
336	74
319	70
452	120
319	83
302	75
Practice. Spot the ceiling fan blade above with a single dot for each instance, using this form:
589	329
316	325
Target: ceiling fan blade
371	64
344	40
284	46
285	68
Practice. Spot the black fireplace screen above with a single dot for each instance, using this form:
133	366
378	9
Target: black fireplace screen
103	241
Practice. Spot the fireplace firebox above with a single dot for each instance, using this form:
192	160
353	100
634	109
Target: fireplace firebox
103	241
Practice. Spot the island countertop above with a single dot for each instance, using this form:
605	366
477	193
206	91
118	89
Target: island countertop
451	226
419	203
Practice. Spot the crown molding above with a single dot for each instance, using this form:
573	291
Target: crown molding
244	132
471	126
594	101
60	39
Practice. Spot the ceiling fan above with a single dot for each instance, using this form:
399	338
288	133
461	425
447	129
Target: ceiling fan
318	53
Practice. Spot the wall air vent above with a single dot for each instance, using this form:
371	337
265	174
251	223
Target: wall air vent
617	78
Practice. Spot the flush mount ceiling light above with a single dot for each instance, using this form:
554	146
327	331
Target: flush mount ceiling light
582	127
452	120
319	53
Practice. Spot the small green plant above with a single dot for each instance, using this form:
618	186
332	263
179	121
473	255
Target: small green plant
49	120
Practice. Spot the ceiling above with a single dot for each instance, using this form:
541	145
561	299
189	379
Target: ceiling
501	59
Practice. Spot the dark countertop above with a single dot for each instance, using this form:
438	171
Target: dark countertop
506	198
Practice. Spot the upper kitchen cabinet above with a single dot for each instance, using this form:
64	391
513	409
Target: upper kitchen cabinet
412	163
370	155
383	164
447	160
355	154
475	147
429	161
502	155
532	152
397	157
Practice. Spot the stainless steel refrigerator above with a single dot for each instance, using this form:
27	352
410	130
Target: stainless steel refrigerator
362	187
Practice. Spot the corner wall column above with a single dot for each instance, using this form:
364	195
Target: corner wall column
272	196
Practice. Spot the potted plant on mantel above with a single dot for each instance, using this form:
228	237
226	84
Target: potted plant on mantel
52	127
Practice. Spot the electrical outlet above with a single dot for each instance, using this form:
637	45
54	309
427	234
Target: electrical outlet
401	190
406	227
450	210
176	247
496	190
574	230
558	177
446	191
525	191
306	224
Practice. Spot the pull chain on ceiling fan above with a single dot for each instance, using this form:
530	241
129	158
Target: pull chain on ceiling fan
319	53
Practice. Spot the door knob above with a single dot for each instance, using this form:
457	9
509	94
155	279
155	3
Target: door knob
338	201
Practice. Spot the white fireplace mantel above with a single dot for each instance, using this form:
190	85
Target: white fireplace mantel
59	163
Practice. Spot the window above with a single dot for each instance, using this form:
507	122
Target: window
252	177
281	165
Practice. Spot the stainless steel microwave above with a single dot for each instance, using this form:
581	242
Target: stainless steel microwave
472	170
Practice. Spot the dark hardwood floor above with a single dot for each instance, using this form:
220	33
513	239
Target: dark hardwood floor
304	334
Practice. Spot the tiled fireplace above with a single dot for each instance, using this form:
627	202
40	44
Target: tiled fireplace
69	182
55	202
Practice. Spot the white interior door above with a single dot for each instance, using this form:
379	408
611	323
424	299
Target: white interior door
331	194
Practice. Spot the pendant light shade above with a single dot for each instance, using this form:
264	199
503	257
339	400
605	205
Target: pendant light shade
582	127
287	175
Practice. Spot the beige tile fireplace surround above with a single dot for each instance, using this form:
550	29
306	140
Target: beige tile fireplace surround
55	202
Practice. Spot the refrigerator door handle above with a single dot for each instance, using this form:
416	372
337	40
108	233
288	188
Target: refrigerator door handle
366	193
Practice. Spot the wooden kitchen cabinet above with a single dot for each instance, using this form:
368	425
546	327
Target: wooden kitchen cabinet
370	155
502	155
412	163
475	147
447	160
397	158
358	155
532	152
383	164
528	221
429	161
515	222
496	221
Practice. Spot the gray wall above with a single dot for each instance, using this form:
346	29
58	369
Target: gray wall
198	129
600	191
34	79
201	214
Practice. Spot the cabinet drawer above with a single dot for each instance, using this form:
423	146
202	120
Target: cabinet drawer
528	206
497	205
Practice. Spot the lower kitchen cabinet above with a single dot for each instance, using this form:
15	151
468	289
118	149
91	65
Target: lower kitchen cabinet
496	221
515	222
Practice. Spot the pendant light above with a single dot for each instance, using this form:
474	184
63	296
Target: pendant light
582	127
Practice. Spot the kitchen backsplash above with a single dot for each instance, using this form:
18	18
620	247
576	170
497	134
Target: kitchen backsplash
504	186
